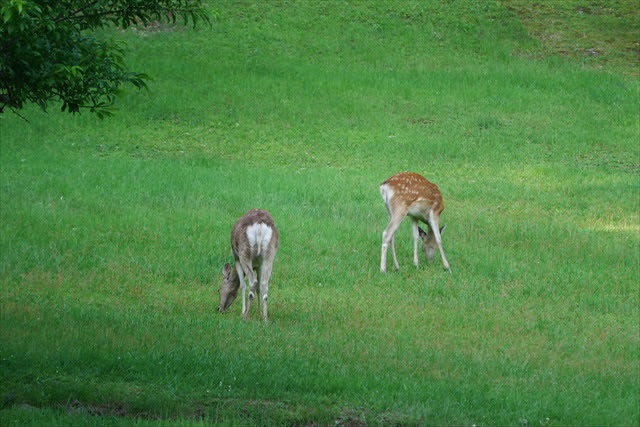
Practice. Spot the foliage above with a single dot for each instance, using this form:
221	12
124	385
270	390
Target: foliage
49	51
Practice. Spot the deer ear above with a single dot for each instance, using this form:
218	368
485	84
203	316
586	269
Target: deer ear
442	228
226	271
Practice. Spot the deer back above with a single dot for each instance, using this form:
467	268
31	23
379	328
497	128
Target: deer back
254	236
411	192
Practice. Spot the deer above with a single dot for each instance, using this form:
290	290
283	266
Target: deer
254	243
408	194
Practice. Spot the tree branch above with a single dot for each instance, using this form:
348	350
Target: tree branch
13	110
75	12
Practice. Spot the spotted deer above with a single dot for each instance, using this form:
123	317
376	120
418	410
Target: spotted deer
409	194
254	242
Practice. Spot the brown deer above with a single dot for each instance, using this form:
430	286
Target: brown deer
410	194
254	242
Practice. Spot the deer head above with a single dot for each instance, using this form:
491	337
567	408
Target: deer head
429	244
228	288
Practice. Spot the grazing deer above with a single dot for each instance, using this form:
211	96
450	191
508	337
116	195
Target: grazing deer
410	194
254	242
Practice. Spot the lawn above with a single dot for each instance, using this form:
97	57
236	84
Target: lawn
113	233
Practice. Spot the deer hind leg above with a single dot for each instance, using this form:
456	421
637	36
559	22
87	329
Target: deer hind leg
416	236
433	223
265	274
393	246
387	238
393	253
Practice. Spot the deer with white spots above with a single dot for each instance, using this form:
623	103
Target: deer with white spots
409	194
254	242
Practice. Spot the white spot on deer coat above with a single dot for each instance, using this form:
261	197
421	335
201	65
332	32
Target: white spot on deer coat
259	236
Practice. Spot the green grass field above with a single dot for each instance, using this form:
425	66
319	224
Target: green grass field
113	233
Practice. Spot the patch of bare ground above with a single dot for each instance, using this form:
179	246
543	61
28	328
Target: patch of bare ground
217	410
75	407
155	27
601	35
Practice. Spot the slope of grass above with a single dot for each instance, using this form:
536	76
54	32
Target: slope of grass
113	233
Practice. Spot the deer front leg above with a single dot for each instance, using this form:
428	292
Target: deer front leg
251	278
433	223
242	285
416	234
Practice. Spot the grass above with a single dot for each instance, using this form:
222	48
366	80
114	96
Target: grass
113	233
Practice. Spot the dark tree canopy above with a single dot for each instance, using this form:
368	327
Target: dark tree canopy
48	52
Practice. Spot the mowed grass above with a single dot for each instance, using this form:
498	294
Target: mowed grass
114	233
